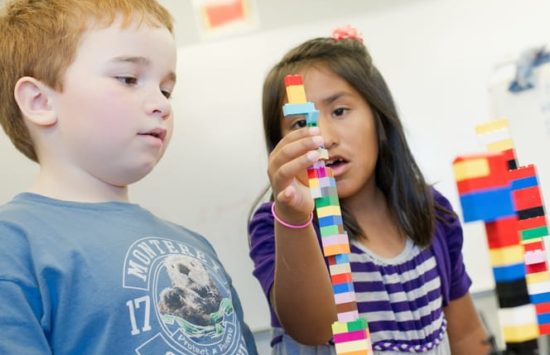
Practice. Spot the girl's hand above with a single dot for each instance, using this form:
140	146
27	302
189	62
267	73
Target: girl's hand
287	167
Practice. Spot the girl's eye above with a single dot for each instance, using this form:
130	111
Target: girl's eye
127	80
340	111
298	124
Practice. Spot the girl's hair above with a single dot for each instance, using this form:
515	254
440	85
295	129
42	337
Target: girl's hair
39	38
397	175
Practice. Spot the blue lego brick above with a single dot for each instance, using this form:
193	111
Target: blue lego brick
523	183
312	118
509	272
343	288
330	221
543	318
341	258
540	298
487	205
298	109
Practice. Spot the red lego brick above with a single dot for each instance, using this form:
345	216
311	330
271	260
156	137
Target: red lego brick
502	232
523	172
293	80
533	246
498	176
530	223
527	198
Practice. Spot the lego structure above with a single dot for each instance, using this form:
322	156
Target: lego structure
508	200
350	332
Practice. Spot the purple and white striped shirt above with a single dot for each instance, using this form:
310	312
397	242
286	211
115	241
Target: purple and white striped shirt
402	298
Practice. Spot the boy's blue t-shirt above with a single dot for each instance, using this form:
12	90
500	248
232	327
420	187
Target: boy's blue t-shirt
111	278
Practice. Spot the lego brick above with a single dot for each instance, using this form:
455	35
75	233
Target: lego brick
339	268
509	272
315	192
512	293
502	232
343	348
497	177
465	169
298	109
543	318
336	249
510	156
325	181
293	79
523	172
531	246
348	316
534	268
328	211
544	329
537	277
346	307
500	146
488	205
312	118
493	125
527	198
323	153
528	234
494	136
538	288
517	334
335	239
341	278
350	336
328	191
312	173
313	183
529	223
326	201
524	183
508	255
529	347
296	94
541	308
338	259
329	230
530	213
360	323
345	297
520	315
540	298
330	221
534	257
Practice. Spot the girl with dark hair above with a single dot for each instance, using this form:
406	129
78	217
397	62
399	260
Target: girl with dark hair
406	260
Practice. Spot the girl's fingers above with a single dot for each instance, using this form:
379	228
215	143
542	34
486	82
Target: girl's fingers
291	170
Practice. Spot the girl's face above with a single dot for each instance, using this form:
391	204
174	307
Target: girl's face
347	125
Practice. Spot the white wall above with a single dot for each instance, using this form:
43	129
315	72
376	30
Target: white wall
437	56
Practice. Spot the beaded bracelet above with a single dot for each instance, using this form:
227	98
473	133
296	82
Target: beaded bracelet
288	225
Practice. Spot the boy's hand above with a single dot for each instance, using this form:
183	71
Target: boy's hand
287	167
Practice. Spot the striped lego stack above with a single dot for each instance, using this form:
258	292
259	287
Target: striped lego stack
350	332
532	225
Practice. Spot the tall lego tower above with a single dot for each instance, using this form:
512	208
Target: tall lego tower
350	332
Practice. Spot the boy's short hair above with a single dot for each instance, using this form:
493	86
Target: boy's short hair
39	38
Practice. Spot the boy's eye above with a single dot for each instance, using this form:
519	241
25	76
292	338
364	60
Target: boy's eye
166	93
127	80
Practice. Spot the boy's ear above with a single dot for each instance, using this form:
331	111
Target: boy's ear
35	101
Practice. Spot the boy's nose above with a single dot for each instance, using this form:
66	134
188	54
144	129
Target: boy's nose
328	132
159	105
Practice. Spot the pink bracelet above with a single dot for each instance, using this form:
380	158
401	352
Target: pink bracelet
288	225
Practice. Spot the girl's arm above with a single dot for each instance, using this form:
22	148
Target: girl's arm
302	291
467	334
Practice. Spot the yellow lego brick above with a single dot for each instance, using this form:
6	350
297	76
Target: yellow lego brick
338	269
520	333
336	249
296	94
342	348
358	352
314	183
537	277
532	240
500	146
507	255
329	211
492	126
469	169
339	327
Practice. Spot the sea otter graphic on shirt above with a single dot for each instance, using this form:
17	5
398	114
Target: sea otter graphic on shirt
185	306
